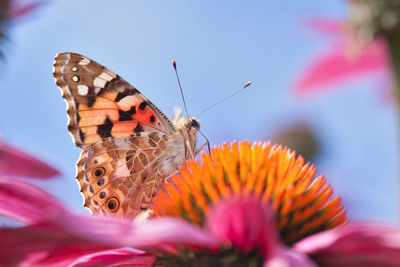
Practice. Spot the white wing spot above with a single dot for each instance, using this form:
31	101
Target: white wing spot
98	82
75	78
84	61
83	89
99	159
106	76
74	69
125	103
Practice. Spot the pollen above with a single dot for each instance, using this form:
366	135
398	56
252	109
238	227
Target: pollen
303	204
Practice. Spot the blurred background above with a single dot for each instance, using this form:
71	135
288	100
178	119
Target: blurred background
342	118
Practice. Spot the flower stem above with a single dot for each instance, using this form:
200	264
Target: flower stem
393	41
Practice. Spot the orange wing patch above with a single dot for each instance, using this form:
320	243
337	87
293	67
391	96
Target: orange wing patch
98	99
106	117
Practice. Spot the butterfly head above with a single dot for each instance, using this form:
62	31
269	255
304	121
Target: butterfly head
189	129
192	123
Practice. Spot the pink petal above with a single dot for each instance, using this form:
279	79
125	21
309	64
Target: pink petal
161	234
17	12
26	202
117	257
290	258
47	244
334	66
166	233
16	162
244	224
324	25
356	245
32	243
30	204
44	245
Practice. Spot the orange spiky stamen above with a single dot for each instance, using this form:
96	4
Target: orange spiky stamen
273	174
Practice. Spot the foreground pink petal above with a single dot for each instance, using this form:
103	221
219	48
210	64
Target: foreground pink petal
245	224
117	257
289	258
32	205
27	203
16	162
33	244
55	227
335	66
356	245
76	256
42	245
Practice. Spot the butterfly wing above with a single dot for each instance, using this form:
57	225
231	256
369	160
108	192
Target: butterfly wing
101	104
121	132
118	175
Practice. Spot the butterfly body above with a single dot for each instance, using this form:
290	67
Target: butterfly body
129	146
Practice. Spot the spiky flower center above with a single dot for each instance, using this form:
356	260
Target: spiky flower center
303	204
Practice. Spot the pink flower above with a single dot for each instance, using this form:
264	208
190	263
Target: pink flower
357	245
346	58
19	8
16	162
14	10
56	236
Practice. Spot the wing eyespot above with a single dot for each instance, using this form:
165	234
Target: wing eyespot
99	172
112	204
100	182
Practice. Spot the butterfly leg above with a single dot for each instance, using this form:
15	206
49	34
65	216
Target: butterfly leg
201	147
207	142
167	179
190	150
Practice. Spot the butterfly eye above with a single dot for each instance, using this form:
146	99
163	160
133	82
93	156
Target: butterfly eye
99	172
112	204
195	124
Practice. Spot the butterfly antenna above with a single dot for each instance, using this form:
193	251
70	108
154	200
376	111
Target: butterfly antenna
180	87
225	98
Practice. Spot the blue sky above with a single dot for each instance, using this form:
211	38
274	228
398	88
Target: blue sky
218	46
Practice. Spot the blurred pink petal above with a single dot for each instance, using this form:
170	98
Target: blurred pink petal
56	227
30	204
36	242
31	244
356	245
163	234
244	224
117	257
26	202
168	233
325	25
43	245
21	8
290	258
16	162
17	12
335	66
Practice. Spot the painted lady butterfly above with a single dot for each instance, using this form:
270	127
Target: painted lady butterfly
129	146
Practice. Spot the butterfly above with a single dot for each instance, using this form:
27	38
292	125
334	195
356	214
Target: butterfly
129	146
